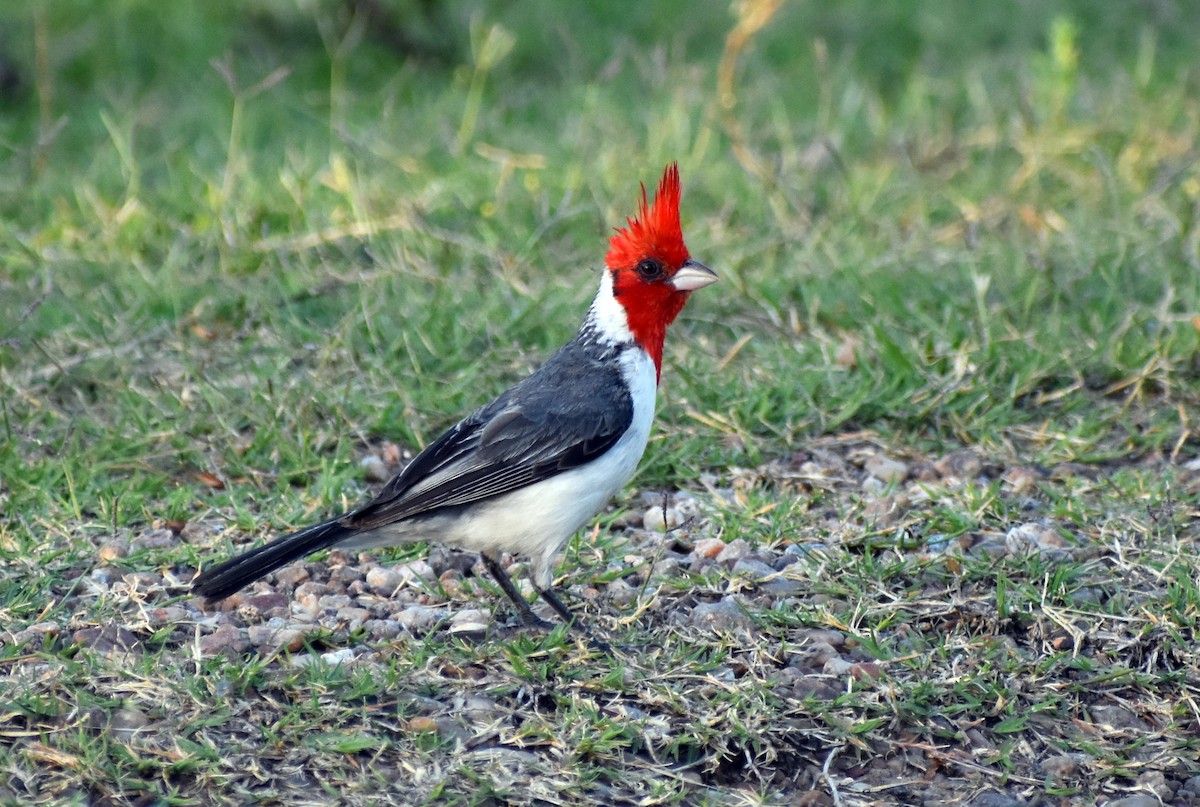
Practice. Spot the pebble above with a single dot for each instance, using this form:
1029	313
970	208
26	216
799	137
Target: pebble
1060	768
733	551
226	639
962	464
36	633
158	539
112	550
263	605
333	602
292	575
110	640
469	620
419	617
374	469
708	548
886	469
724	616
168	615
354	617
333	658
1021	481
1033	537
874	487
837	666
384	580
1136	800
1157	782
994	798
783	587
752	568
1191	785
884	512
382	629
127	721
1109	716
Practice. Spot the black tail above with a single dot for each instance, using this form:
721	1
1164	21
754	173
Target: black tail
220	581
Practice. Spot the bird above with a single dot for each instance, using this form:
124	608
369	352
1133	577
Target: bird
525	471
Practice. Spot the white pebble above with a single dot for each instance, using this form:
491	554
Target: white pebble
374	469
886	469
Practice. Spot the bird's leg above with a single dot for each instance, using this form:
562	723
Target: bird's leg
572	621
524	612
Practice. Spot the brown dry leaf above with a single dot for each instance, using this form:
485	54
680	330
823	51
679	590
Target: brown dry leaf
210	480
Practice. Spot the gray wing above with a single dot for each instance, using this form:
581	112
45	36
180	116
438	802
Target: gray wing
569	412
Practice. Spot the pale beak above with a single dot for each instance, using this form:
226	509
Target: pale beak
692	275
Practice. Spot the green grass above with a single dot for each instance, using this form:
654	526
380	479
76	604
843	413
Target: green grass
241	245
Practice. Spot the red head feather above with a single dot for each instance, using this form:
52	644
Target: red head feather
650	304
654	232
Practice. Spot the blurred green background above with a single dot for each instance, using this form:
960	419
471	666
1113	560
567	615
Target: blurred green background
235	233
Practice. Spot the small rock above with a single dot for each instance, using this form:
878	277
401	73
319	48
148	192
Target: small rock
340	656
994	798
656	519
814	798
708	548
991	547
332	602
110	640
867	670
36	633
837	666
1112	717
1033	537
724	616
783	587
225	639
292	575
344	576
817	687
1136	800
963	464
258	605
1060	768
873	487
312	589
374	469
382	629
753	569
1156	782
469	620
828	636
884	512
1020	480
734	551
158	539
384	580
422	724
112	550
886	469
167	615
419	617
127	721
353	617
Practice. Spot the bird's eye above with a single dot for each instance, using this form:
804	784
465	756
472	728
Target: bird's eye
649	269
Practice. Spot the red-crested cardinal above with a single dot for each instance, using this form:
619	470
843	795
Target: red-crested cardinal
521	474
